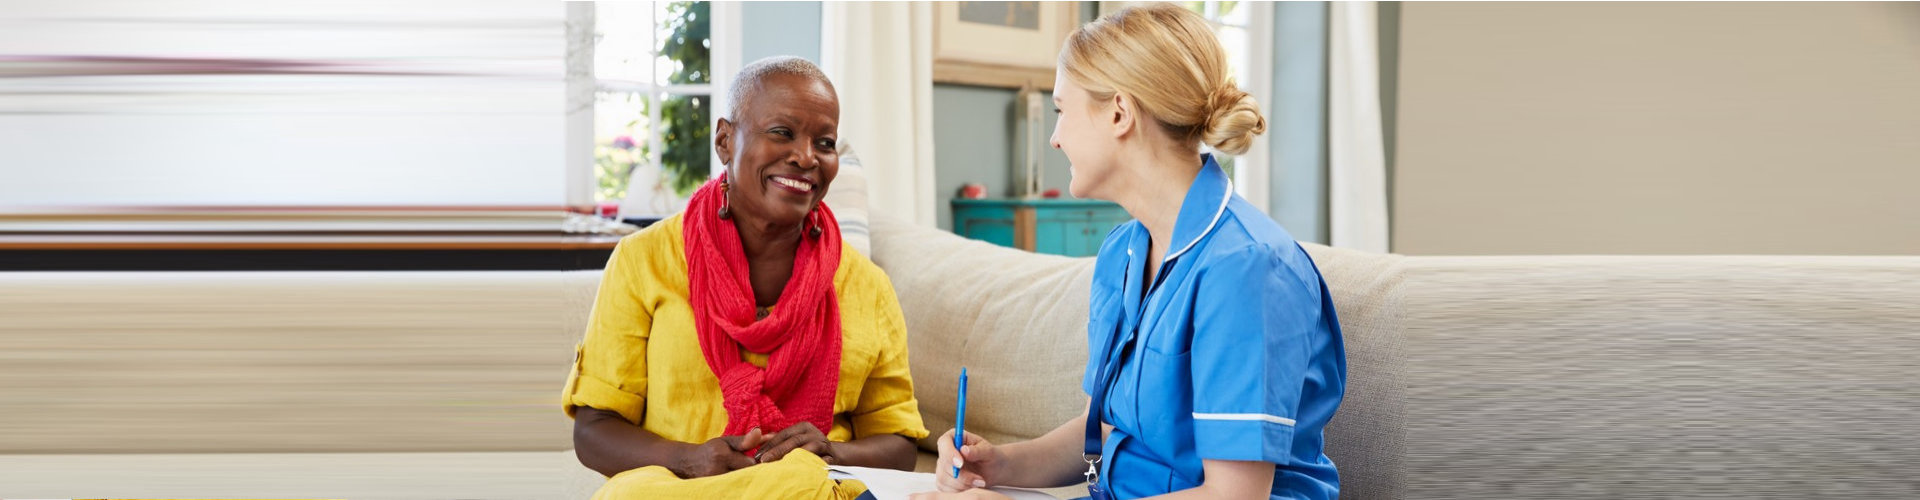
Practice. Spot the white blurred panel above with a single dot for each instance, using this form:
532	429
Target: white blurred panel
222	102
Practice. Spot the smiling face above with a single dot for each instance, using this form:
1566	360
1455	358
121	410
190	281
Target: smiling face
1085	131
780	155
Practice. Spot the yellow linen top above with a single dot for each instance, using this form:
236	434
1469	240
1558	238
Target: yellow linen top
641	355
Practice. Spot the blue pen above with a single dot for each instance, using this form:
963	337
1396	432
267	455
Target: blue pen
960	420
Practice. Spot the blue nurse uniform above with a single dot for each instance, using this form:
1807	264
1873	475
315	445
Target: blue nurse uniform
1232	353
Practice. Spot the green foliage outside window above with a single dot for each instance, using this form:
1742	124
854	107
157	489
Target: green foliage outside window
688	138
684	128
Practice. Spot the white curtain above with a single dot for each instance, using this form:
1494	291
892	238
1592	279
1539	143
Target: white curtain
880	57
1356	177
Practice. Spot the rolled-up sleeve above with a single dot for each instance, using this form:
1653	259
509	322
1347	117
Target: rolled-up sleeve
1253	323
610	367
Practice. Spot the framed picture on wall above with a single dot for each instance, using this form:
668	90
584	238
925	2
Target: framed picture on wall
1000	44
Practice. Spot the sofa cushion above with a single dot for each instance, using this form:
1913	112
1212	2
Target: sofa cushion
1016	320
274	362
1663	377
848	198
1367	437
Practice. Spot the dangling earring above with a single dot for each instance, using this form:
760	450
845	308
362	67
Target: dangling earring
813	224
725	211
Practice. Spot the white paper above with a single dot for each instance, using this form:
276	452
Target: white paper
889	484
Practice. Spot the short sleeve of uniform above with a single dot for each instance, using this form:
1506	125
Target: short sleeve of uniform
1253	326
886	404
610	367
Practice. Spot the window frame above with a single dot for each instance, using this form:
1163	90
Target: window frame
585	85
1252	172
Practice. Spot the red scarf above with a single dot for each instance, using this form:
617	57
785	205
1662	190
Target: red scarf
801	336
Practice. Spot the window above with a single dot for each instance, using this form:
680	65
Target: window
1231	23
1245	30
653	96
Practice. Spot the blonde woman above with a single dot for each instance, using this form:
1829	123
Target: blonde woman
1215	356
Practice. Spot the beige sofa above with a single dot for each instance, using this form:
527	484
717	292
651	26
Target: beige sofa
360	385
1469	377
1506	376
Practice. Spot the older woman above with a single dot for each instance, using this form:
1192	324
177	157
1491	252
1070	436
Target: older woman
741	331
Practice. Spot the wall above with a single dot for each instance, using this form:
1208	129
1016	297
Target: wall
1661	128
779	29
975	140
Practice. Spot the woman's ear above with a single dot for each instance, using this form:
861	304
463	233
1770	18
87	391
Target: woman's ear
1122	115
723	141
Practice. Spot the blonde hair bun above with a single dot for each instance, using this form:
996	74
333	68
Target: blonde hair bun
1233	119
1169	61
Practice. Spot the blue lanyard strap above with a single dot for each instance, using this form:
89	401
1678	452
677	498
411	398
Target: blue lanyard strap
1109	370
1119	344
1096	408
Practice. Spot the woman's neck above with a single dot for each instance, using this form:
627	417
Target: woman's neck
770	249
1153	192
767	241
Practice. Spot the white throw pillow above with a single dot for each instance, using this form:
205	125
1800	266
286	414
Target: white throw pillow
847	196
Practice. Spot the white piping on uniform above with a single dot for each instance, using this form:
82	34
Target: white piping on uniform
1209	229
1244	416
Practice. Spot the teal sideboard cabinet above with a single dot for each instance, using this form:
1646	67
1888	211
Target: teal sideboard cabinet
1070	227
